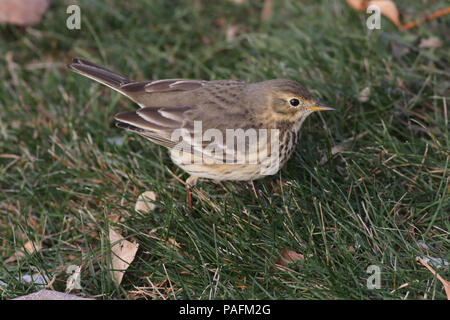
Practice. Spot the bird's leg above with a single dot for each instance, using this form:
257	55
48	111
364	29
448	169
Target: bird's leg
190	182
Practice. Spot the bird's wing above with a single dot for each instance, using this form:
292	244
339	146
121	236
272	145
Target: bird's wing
175	127
169	108
155	123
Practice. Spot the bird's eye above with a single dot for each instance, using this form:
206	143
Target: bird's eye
294	102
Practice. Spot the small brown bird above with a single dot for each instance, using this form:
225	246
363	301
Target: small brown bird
221	130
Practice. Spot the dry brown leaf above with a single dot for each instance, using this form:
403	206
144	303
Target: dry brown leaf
388	9
447	288
173	244
238	1
431	42
231	32
30	247
267	10
288	256
123	253
22	12
360	5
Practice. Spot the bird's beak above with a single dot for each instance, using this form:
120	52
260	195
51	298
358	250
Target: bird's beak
321	107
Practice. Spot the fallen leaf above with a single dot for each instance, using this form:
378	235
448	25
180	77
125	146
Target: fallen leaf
37	279
267	10
145	202
74	280
231	32
436	262
399	50
50	295
447	288
123	253
117	141
431	42
364	94
444	282
360	5
388	9
288	256
22	12
30	247
173	244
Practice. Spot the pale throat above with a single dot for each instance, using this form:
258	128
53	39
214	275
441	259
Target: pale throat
298	124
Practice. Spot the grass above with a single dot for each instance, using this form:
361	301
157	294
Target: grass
383	200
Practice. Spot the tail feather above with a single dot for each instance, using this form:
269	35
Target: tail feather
98	73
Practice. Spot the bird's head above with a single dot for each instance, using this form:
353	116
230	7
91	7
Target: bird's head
289	100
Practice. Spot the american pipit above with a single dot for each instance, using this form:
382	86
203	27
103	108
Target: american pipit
221	130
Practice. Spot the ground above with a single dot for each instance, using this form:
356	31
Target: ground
367	185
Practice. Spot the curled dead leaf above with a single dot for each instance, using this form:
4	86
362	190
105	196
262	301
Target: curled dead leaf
74	280
123	253
364	94
50	295
287	257
29	247
267	10
22	12
231	32
387	8
431	42
145	202
360	5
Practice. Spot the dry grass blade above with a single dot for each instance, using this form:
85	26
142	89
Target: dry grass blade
444	282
